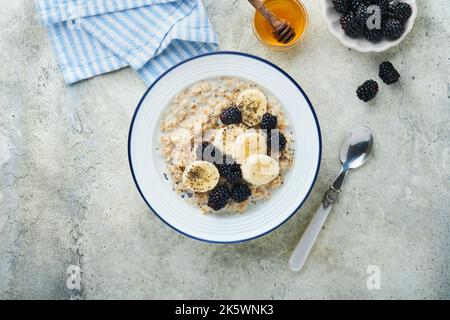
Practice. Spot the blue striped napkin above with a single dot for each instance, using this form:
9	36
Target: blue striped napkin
92	37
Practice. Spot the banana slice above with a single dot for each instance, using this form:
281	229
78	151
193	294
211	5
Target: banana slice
226	136
200	176
253	105
259	169
247	144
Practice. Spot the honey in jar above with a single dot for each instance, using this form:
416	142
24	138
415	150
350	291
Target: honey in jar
292	11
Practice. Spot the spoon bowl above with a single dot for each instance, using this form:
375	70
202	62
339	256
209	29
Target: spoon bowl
356	148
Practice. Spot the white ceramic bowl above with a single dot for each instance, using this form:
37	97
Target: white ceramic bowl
147	165
332	17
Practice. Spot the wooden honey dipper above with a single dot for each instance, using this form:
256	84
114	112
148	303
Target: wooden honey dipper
282	30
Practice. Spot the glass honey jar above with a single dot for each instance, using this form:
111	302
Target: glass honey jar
293	11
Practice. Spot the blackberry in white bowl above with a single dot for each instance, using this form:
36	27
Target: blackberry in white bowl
370	25
218	198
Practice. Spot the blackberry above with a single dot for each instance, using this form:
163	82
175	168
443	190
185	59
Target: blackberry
341	6
231	115
399	10
230	171
393	29
218	197
240	192
345	19
351	25
365	14
383	5
367	91
206	151
362	14
273	139
355	4
373	35
269	121
388	73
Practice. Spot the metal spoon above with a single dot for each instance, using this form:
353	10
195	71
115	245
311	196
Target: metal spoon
355	151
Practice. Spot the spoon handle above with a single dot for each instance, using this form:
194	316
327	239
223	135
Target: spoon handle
267	14
306	243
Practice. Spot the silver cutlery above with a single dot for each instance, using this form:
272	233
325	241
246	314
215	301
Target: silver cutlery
354	152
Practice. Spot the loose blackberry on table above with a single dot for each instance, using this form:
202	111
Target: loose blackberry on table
231	115
218	198
240	192
367	91
388	73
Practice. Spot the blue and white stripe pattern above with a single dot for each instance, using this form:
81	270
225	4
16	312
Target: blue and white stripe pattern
92	37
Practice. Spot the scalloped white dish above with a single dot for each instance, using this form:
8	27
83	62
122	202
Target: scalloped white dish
362	45
148	166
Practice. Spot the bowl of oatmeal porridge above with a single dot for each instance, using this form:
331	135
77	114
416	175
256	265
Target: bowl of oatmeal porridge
224	147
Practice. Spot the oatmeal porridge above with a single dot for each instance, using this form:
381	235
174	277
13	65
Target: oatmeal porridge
226	143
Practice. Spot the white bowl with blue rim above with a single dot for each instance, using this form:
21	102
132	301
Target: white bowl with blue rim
148	166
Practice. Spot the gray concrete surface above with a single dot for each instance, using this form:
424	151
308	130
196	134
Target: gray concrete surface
67	197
